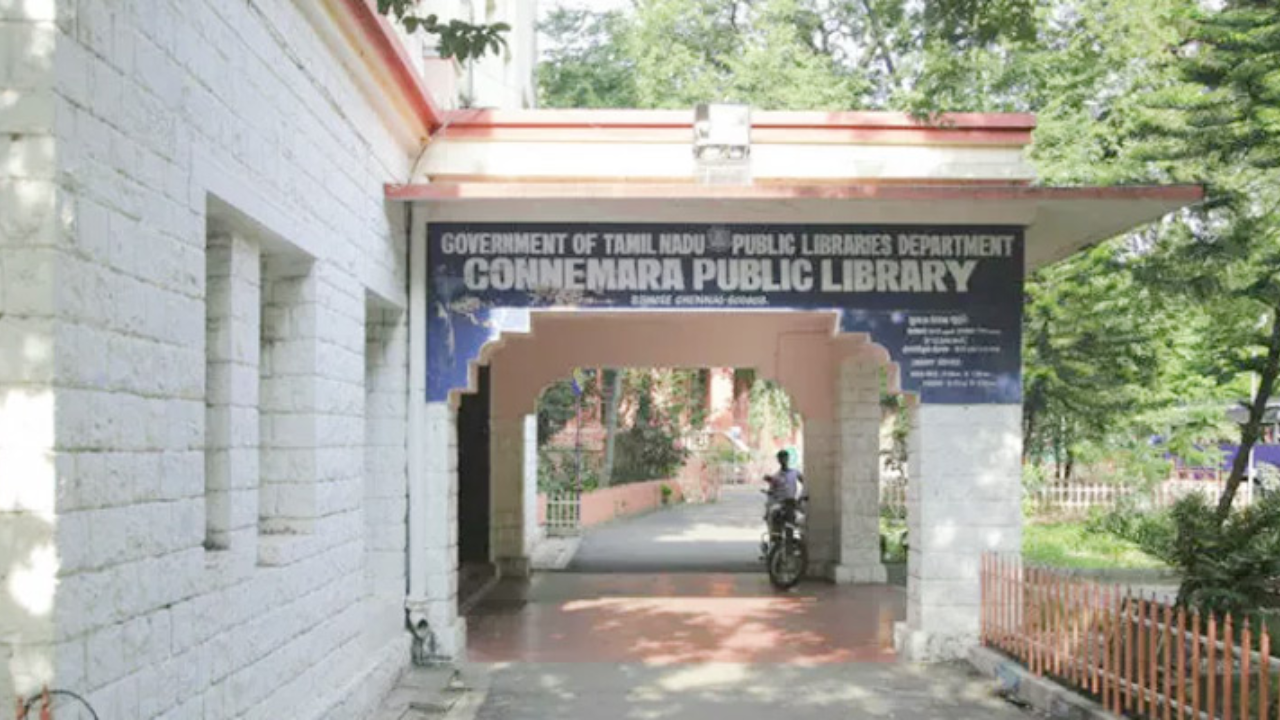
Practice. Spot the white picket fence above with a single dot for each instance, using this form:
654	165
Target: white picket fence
893	495
1081	497
564	513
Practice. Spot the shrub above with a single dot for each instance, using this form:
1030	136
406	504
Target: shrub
1132	519
666	493
1268	477
893	541
646	452
1230	567
1034	478
557	470
723	452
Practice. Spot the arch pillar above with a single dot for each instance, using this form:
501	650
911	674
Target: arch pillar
964	498
821	467
857	501
513	477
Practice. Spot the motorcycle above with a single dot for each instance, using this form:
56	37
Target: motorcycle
786	554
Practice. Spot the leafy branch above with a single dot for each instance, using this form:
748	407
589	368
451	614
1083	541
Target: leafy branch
897	455
457	39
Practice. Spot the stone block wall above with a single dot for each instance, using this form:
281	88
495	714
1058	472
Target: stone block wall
141	143
30	230
858	496
964	499
437	600
385	459
233	324
822	447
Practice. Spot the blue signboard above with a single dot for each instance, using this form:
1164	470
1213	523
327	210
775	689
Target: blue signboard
946	302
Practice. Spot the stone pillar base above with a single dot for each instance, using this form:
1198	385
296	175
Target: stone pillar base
439	635
514	567
920	646
450	644
863	574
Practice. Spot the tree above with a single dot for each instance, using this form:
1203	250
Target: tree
771	410
1111	363
1220	123
557	405
1088	353
676	53
586	65
1108	358
613	398
1142	337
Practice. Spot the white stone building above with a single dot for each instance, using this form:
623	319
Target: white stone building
223	490
203	353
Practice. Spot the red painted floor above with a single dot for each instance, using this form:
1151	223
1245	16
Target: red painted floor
683	618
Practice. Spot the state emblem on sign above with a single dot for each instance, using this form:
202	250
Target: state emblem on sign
719	239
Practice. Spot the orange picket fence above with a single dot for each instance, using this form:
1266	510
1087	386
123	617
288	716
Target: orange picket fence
1131	652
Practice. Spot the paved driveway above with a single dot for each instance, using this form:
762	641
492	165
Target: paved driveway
540	691
670	616
683	618
717	537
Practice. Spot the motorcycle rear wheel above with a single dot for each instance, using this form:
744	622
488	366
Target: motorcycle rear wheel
787	562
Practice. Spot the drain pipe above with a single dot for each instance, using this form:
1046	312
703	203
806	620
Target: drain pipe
424	643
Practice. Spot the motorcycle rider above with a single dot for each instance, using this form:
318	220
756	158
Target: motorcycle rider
786	485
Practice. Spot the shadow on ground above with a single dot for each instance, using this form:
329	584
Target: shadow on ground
739	691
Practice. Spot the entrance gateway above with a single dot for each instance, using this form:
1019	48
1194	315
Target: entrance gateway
945	301
869	254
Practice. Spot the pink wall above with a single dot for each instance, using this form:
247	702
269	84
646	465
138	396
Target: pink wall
721	416
601	506
798	349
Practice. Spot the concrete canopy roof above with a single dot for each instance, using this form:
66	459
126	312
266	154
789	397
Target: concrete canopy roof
1058	221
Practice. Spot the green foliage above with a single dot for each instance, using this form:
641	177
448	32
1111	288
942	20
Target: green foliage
771	409
686	393
1230	566
724	452
690	51
980	22
661	407
647	452
1072	545
1034	478
586	65
1110	356
667	492
1268	477
1146	336
1087	77
1105	358
1136	522
456	39
558	470
557	405
897	454
1218	122
893	540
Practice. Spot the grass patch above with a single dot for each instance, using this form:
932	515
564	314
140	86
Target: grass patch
1070	545
893	548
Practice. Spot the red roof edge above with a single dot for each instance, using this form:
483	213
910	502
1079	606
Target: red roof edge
759	119
1187	194
380	36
